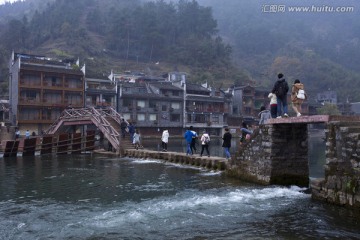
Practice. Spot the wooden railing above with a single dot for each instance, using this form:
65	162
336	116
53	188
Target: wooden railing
97	116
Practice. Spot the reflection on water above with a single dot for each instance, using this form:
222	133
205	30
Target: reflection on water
316	154
97	197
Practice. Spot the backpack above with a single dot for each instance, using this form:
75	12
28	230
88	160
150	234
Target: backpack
207	140
281	90
300	94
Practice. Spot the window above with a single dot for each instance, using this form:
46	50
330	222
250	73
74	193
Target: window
29	94
235	110
141	103
32	80
141	117
127	102
175	117
126	116
215	118
199	118
175	93
73	98
52	97
152	117
29	114
175	105
73	82
164	108
152	104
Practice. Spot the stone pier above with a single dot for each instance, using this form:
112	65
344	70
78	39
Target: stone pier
278	154
341	184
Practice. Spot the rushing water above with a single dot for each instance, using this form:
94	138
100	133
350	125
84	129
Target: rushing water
97	197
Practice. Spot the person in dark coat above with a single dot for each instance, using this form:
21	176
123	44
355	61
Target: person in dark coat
227	143
131	128
281	89
123	126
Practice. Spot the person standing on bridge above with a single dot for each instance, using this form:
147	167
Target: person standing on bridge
165	140
281	89
188	137
297	96
227	143
273	105
123	126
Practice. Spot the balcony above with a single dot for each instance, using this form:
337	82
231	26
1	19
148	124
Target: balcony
29	83
29	101
104	104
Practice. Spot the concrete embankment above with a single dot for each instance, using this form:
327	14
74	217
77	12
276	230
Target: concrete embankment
214	163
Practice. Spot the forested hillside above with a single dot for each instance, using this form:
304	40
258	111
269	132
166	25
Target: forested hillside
320	48
222	42
116	34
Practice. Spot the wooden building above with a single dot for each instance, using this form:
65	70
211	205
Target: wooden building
40	88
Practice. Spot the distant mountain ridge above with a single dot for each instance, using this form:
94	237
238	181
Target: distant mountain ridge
221	43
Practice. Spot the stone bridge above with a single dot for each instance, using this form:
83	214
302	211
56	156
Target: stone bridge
278	154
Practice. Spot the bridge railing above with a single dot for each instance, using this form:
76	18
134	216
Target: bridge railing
110	112
97	116
100	121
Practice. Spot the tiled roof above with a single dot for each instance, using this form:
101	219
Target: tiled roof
195	87
205	98
165	85
42	61
50	69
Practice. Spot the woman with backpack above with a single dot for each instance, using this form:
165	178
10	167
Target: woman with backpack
297	96
205	140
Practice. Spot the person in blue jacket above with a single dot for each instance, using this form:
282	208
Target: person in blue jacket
189	134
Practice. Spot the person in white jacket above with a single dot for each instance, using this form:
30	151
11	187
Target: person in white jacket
205	140
165	140
273	105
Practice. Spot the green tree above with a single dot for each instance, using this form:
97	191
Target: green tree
329	109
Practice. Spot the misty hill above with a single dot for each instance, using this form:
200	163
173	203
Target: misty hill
205	38
123	35
320	48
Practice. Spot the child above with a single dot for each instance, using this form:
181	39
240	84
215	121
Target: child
273	105
264	115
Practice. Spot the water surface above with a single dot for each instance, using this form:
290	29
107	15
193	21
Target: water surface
97	197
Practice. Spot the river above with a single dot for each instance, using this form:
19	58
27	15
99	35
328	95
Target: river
98	197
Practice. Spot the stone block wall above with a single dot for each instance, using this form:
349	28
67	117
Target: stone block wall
341	184
276	154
